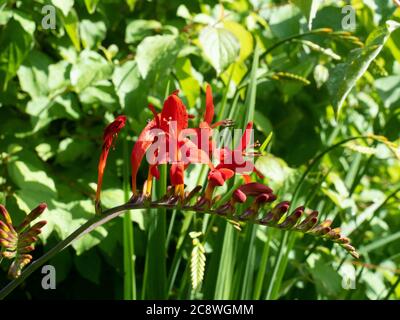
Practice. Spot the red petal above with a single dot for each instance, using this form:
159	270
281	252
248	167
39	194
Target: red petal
209	115
155	172
246	136
144	141
174	110
226	173
177	173
110	133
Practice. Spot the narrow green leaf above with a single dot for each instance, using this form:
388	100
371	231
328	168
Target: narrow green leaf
345	75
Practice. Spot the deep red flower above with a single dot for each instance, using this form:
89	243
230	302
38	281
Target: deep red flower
109	136
171	123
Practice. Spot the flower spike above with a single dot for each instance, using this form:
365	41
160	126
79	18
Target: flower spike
17	242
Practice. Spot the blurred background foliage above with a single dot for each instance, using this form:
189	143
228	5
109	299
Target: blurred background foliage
60	87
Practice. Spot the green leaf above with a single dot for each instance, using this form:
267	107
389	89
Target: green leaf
156	54
81	212
58	78
102	94
15	44
220	47
274	169
244	37
64	5
89	266
71	150
90	69
28	173
389	90
33	74
190	86
130	88
345	75
131	4
138	29
43	110
92	33
25	20
71	25
308	8
91	5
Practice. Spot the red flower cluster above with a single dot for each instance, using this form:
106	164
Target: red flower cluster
167	139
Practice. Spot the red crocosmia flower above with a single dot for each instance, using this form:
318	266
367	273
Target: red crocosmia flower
171	124
109	136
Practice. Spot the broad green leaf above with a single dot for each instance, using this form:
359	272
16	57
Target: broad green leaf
275	170
29	174
59	76
25	20
308	8
245	38
90	69
389	90
81	212
284	20
89	266
156	54
92	33
345	75
326	278
15	44
130	88
91	5
44	110
136	30
72	150
190	86
64	5
33	74
102	94
220	47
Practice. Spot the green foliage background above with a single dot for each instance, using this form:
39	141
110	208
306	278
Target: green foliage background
60	87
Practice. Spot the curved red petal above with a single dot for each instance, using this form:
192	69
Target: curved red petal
110	133
173	110
144	141
209	114
246	136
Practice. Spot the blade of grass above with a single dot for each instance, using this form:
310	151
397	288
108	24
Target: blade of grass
155	274
262	268
128	244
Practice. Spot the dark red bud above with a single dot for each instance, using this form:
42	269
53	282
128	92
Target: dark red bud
239	196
